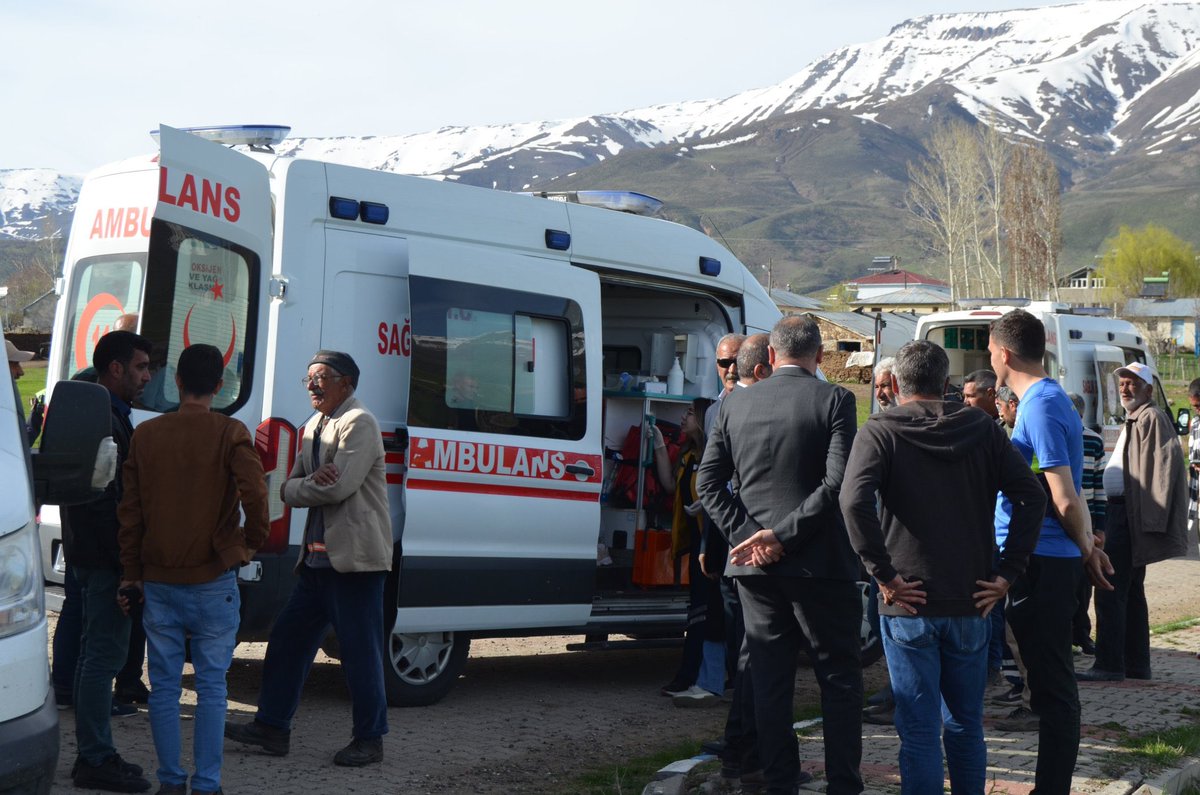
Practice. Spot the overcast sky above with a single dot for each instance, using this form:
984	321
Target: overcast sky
87	79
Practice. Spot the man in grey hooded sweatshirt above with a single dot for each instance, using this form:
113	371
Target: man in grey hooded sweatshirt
936	467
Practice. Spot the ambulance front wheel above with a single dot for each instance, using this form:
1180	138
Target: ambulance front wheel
421	667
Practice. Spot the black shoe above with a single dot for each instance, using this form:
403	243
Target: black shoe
884	716
715	747
1143	675
172	789
1013	696
111	775
360	752
1098	675
1020	720
275	742
674	688
136	693
1087	646
119	710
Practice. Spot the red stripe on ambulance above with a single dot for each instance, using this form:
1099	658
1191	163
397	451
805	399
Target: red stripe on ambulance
479	458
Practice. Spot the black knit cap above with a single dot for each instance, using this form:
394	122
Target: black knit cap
342	362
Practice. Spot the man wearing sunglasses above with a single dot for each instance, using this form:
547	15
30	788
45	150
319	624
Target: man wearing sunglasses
727	373
339	476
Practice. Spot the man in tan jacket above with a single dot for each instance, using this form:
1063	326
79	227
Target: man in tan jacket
1145	482
181	545
347	552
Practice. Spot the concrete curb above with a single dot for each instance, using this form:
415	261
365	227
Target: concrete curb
671	779
1172	782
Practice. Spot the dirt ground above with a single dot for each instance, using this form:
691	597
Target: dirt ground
526	716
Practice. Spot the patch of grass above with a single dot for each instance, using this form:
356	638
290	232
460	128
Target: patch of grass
1174	626
1153	751
632	775
32	382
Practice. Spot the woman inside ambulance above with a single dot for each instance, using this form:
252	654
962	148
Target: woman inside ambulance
700	680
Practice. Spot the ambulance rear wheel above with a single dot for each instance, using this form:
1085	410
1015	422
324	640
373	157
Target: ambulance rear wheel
421	667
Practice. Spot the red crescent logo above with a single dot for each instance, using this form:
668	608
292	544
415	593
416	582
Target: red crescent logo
98	302
187	342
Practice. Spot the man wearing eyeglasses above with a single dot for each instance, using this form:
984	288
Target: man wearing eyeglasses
347	553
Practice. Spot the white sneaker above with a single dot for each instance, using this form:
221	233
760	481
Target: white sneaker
696	696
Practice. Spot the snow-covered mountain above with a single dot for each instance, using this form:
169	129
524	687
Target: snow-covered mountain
1091	80
36	202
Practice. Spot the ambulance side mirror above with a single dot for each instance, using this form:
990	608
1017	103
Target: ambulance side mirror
1183	422
78	457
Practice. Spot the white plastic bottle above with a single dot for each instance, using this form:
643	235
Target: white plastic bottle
675	379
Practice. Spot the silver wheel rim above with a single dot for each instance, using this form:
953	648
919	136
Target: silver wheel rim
420	658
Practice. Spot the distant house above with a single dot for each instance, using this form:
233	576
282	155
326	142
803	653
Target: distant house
889	281
855	331
1168	324
38	315
1082	287
789	303
921	300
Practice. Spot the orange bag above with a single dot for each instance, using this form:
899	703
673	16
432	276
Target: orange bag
652	563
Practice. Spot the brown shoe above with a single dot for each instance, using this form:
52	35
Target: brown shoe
1020	719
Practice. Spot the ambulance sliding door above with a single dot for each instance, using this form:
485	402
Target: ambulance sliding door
505	458
366	314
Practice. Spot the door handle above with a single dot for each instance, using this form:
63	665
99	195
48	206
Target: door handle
579	469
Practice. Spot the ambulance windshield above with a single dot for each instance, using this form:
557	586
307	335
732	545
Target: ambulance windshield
105	296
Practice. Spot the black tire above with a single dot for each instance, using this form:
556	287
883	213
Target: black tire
420	668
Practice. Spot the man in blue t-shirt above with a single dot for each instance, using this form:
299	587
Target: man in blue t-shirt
1042	601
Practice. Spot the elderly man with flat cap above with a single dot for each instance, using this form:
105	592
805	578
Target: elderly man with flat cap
345	558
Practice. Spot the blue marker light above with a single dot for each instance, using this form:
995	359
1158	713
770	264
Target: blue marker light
346	209
373	212
710	266
559	241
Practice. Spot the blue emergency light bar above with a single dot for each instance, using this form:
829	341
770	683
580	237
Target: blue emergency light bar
255	135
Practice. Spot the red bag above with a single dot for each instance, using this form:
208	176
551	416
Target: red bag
624	487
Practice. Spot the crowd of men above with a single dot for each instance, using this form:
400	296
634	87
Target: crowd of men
160	550
957	510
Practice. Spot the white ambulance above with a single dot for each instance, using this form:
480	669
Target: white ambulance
1082	353
500	337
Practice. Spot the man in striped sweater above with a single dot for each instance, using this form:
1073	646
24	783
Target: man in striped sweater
1093	494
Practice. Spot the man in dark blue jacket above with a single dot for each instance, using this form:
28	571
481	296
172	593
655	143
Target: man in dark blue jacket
122	362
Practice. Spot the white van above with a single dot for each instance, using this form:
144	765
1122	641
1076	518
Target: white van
1082	353
499	336
73	464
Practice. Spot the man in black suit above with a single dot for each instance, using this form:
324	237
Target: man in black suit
784	445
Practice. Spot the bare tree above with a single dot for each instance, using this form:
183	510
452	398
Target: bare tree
1032	211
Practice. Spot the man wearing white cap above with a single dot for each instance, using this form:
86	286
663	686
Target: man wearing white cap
1146	485
15	357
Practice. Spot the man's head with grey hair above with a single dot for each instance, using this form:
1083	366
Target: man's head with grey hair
979	390
796	339
921	371
1077	402
884	395
1006	405
727	351
754	359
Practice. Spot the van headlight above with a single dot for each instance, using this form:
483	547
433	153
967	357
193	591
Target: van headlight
22	601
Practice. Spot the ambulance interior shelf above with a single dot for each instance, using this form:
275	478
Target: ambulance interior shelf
622	527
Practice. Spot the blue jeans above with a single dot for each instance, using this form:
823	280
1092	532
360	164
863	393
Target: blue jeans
103	647
353	603
938	667
209	614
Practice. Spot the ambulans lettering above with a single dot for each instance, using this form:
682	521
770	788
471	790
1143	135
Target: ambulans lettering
121	222
489	459
395	339
209	198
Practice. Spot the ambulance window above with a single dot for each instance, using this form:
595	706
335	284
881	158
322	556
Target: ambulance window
1110	412
497	361
199	289
102	290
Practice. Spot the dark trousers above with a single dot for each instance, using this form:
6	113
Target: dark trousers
741	734
353	604
1122	617
787	615
103	648
1040	605
698	630
66	643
